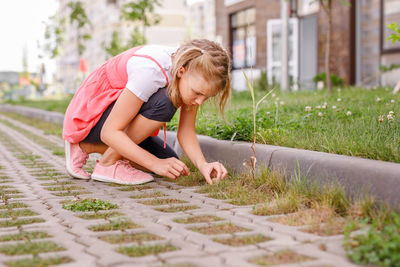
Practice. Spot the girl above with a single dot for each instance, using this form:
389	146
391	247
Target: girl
120	107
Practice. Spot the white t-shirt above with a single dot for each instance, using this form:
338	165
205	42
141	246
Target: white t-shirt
144	76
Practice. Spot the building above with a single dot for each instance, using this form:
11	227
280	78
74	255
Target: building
251	29
202	20
104	16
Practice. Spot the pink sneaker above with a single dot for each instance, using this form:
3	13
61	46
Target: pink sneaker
121	172
75	159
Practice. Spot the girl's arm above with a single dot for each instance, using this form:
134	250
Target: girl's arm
113	134
188	140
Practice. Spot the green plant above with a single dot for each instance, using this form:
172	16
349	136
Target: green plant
336	80
253	159
395	37
89	205
378	245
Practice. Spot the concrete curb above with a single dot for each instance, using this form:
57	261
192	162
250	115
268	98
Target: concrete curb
381	179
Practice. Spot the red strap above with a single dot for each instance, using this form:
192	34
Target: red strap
165	134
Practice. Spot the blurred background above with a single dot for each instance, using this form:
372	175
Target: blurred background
48	47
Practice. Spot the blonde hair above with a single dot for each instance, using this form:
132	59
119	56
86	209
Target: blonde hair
209	59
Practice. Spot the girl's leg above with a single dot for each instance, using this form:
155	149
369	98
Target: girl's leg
138	130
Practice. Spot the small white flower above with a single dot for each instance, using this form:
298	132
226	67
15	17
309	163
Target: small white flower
390	117
273	95
277	99
391	113
378	99
282	103
308	108
333	107
392	101
381	118
339	89
319	114
339	99
318	107
268	112
325	104
323	107
348	113
320	85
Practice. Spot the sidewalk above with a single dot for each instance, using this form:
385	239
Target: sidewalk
182	225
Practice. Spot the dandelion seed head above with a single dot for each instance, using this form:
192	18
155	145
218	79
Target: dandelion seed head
319	114
348	113
392	101
391	113
307	108
390	117
378	99
339	99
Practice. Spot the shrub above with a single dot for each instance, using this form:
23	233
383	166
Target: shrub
336	80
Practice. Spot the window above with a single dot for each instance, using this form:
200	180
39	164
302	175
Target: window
243	32
390	13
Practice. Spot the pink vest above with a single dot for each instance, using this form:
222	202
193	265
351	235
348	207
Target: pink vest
98	91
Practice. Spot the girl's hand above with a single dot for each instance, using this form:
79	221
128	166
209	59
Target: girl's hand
213	172
171	168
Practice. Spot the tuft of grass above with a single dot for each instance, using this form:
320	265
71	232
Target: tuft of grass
12	223
334	226
17	213
162	201
140	251
149	195
24	236
242	240
280	257
72	193
129	237
226	228
64	188
313	216
14	205
115	224
38	262
95	216
57	183
134	187
89	204
178	208
198	219
30	248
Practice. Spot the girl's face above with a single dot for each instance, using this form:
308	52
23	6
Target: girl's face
193	88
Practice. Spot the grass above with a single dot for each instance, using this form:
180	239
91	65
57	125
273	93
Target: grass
198	219
115	224
12	223
14	205
95	216
38	262
89	205
72	193
140	251
246	240
177	208
280	257
17	213
129	237
30	248
24	236
360	134
226	228
58	105
134	187
162	201
149	195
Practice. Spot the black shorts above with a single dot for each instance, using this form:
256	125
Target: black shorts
159	108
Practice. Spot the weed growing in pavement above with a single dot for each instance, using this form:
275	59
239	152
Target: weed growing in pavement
37	261
280	257
245	240
140	251
13	205
33	248
119	223
162	201
24	236
177	208
198	219
225	228
129	238
14	222
153	194
17	213
95	216
379	244
89	204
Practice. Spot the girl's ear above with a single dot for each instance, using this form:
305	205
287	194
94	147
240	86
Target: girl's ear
181	71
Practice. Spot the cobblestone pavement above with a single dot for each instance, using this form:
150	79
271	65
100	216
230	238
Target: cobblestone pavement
34	227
